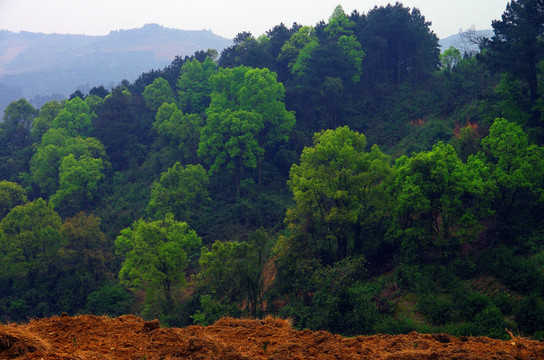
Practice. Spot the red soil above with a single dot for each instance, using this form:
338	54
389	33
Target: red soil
129	337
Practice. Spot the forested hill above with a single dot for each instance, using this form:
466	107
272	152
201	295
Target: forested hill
346	175
45	64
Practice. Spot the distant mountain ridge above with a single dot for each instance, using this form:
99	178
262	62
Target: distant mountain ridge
461	40
40	65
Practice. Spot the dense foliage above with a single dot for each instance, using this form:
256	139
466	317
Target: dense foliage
346	175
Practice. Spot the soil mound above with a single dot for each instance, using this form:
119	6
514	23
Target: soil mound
16	342
129	337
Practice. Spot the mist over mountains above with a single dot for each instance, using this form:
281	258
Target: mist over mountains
40	66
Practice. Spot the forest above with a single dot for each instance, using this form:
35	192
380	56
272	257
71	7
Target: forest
349	176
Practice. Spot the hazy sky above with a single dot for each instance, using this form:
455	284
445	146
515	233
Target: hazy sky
223	17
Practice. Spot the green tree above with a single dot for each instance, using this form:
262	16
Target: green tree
155	257
85	262
17	124
16	139
75	117
399	45
232	272
179	130
158	93
514	177
431	188
56	144
42	122
78	183
180	191
245	117
31	240
11	195
449	58
291	49
339	193
339	24
516	46
193	84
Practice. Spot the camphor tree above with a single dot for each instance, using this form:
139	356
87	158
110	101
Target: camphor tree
178	130
155	256
29	239
430	211
194	87
339	193
181	191
513	176
232	271
75	117
158	93
11	195
246	117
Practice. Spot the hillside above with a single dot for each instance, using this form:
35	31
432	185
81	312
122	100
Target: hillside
129	337
45	64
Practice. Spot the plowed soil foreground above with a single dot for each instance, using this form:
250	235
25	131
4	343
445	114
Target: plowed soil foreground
129	337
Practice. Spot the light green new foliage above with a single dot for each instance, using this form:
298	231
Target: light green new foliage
29	238
180	191
78	183
449	58
155	256
292	47
56	144
339	189
245	117
433	190
47	113
158	93
194	87
513	167
11	195
353	51
75	117
339	24
181	130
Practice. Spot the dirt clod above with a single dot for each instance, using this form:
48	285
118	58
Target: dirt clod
99	337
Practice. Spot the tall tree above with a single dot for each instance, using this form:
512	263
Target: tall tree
158	93
11	195
55	146
78	183
194	87
517	45
246	116
31	239
399	45
76	117
155	257
339	193
182	192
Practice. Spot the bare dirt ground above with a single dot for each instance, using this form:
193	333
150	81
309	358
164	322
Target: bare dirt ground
129	337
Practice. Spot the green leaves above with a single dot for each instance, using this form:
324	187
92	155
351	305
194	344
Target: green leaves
78	183
158	93
193	84
180	191
29	238
338	189
75	118
156	255
245	117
